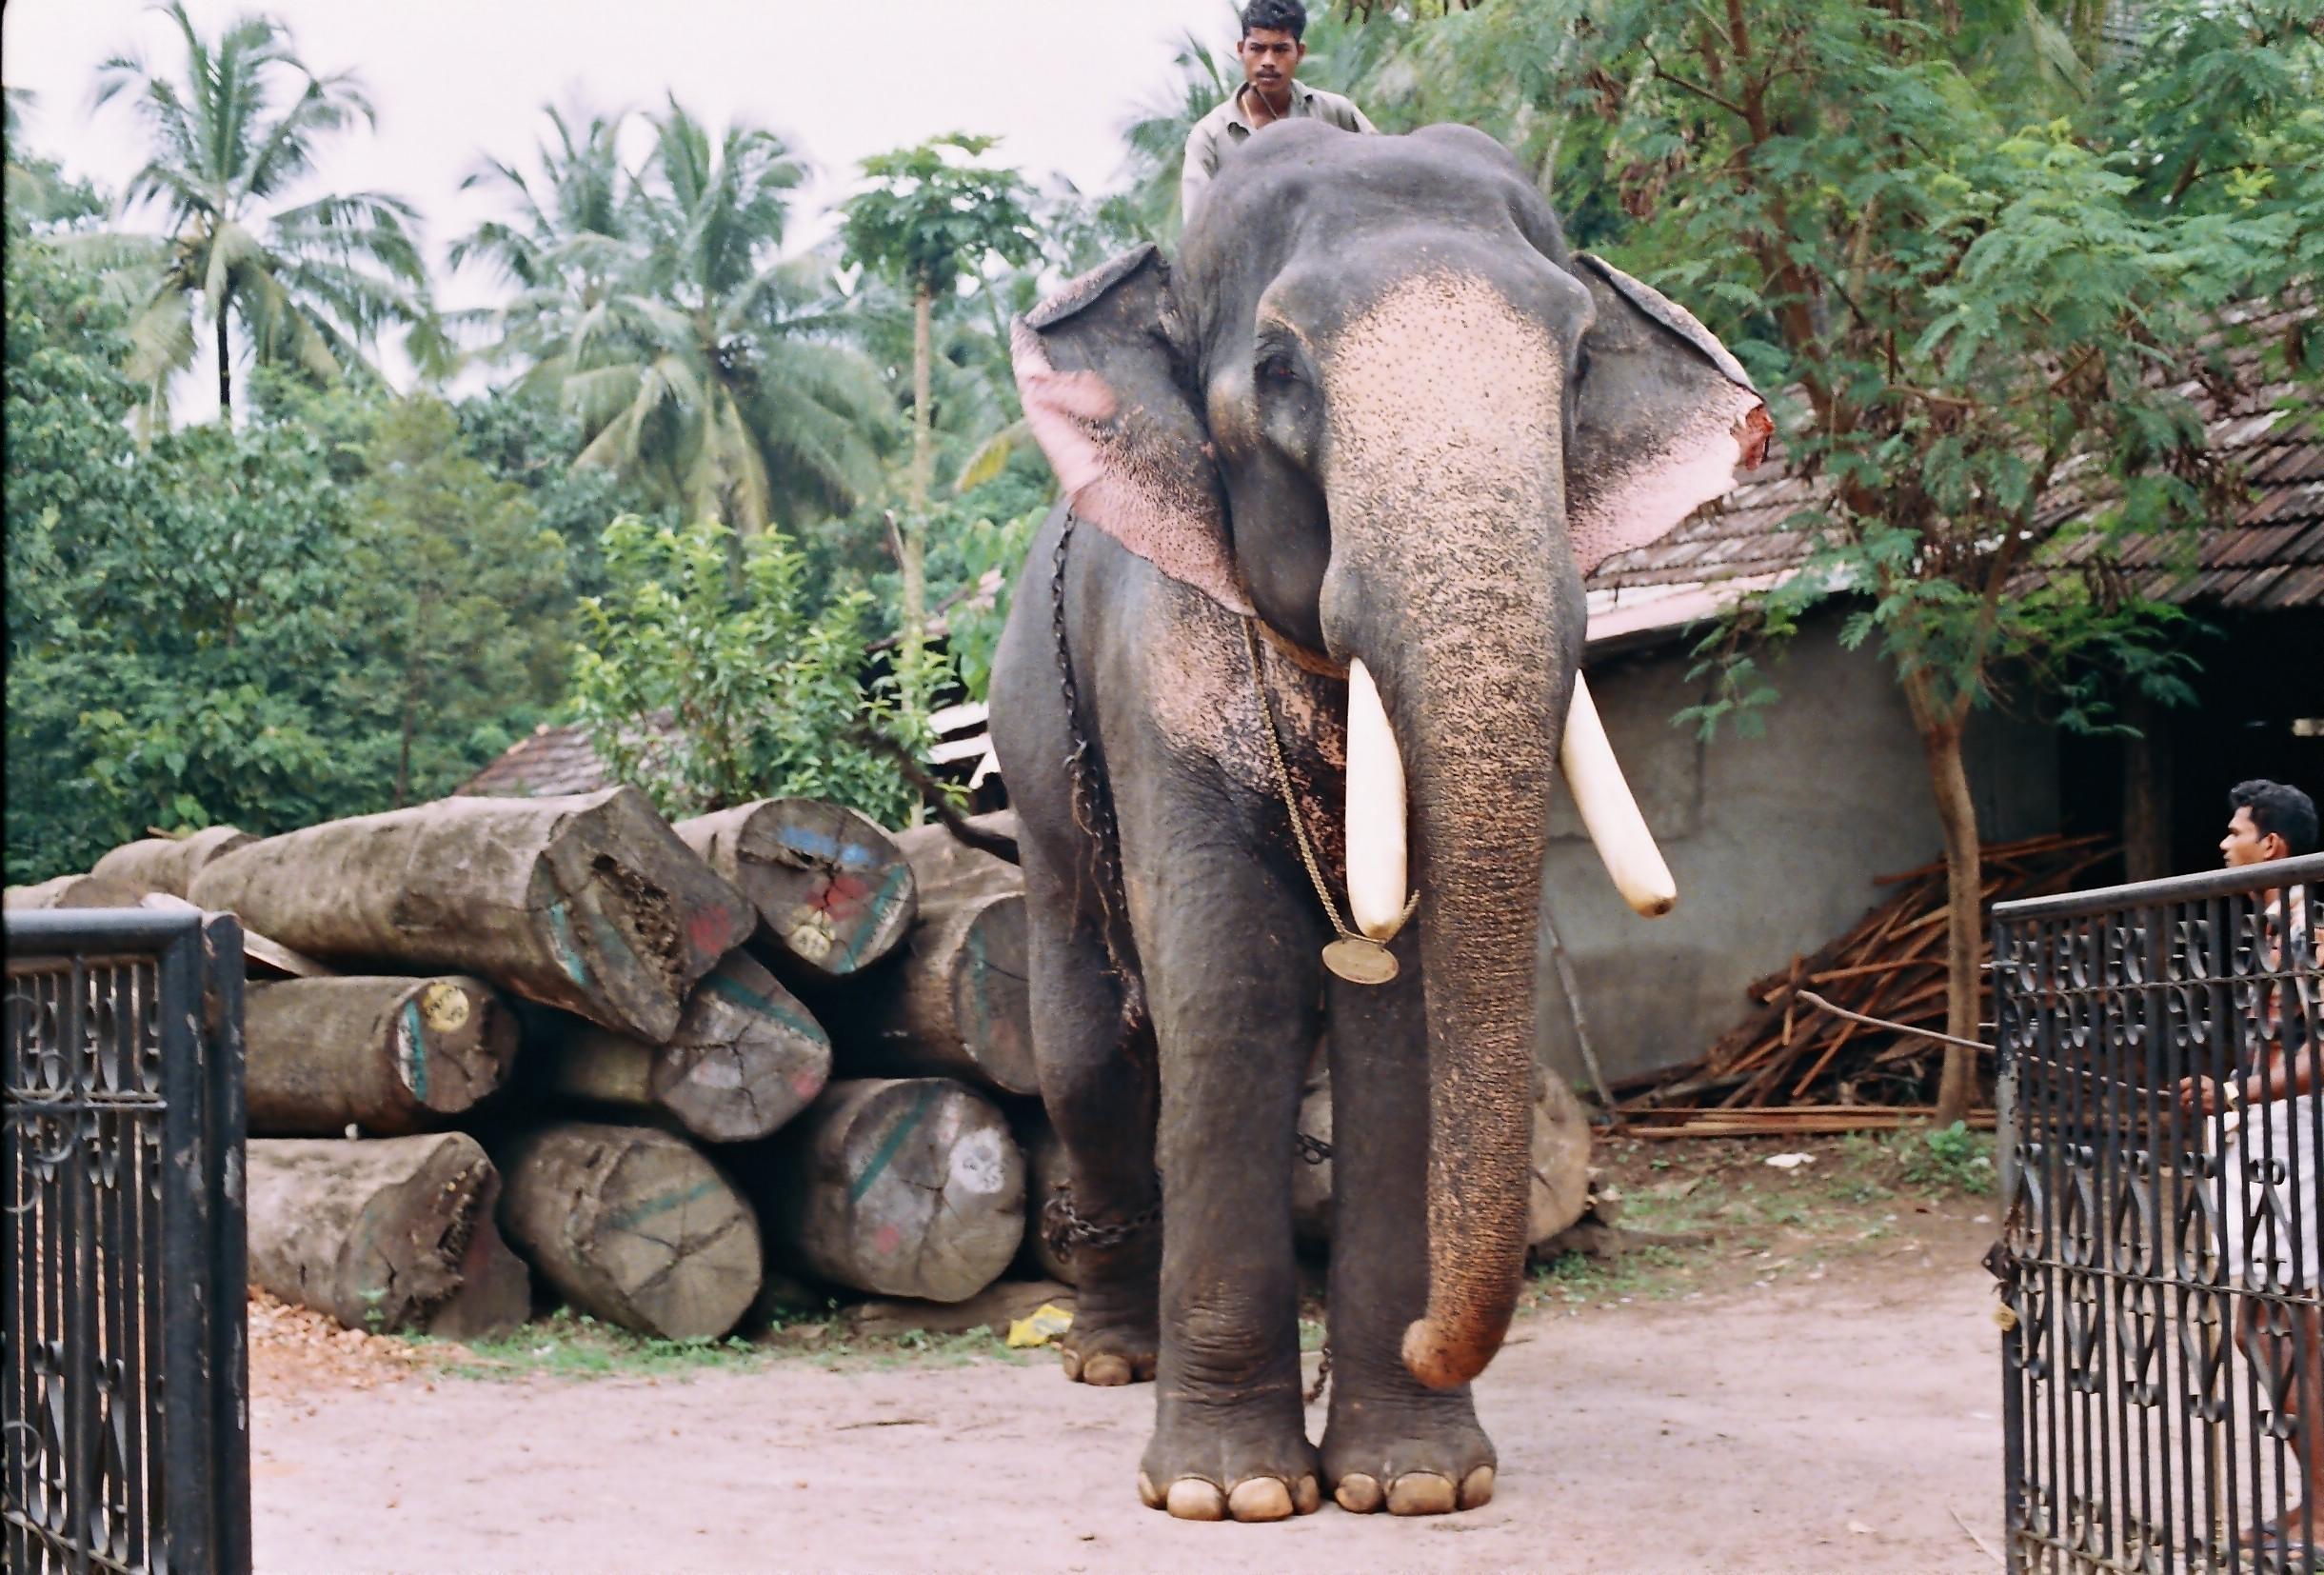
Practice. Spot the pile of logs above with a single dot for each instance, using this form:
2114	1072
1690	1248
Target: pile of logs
1792	1066
505	1051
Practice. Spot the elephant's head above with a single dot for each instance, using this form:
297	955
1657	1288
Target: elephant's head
1379	406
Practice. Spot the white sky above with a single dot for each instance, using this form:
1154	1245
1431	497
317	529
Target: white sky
451	79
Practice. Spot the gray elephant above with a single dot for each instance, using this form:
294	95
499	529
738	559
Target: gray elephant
1306	633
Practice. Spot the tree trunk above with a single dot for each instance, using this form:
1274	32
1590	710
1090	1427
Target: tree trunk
904	1187
1957	814
169	864
924	451
746	1058
833	893
389	1055
76	892
391	1235
954	1001
953	1004
590	903
632	1226
226	372
2146	794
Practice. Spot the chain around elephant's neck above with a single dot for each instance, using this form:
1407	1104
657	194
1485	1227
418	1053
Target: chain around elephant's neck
1093	802
1358	958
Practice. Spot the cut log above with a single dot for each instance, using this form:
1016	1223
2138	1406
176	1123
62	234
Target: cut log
953	1003
76	892
991	1310
909	1186
832	893
396	1234
590	903
746	1057
632	1226
1560	1161
1046	1176
941	860
169	864
387	1055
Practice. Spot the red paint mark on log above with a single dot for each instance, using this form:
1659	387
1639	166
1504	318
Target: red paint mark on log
708	929
886	1240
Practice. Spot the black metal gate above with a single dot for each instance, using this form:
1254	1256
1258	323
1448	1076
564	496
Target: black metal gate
2158	1264
123	1358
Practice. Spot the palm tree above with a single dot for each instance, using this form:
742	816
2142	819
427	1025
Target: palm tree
657	309
314	284
582	190
1157	134
39	191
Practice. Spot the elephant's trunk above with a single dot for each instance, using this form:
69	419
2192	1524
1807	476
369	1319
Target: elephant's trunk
1453	582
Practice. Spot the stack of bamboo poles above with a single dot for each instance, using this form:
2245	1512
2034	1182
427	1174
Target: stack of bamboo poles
1790	1066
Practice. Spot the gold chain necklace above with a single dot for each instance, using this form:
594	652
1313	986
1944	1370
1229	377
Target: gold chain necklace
1358	958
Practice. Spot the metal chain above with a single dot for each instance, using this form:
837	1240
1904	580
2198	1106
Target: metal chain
1093	806
1314	1150
1063	1230
1315	1390
1299	826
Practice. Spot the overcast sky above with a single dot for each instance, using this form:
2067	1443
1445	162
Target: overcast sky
451	79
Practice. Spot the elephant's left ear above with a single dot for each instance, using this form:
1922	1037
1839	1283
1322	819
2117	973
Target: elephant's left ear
1099	374
1663	416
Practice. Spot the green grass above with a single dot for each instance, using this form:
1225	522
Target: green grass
570	1344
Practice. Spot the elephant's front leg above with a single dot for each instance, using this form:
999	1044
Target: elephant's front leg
1389	1442
1230	953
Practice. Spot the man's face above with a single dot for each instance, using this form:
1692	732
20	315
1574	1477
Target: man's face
1270	56
2246	843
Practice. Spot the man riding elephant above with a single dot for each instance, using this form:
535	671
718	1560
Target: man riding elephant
1282	687
1271	47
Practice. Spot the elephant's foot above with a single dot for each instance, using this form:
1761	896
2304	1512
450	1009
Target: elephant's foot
1408	1455
1116	1337
1230	1463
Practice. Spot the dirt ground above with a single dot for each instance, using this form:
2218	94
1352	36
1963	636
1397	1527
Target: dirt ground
1814	1388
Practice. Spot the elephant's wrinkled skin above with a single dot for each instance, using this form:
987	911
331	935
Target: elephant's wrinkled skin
1377	404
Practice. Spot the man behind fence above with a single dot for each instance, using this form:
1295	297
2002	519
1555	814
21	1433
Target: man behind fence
2274	1148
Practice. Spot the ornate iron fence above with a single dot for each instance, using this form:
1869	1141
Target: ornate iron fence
2162	1359
123	1361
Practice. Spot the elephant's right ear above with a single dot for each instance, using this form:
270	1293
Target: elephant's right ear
1098	378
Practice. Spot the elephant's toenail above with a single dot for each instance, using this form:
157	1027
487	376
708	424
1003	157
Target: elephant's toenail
1148	1494
1420	1493
1192	1499
1260	1498
1071	1362
1306	1496
1357	1494
1476	1488
1105	1371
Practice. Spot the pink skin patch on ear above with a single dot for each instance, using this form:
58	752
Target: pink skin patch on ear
1688	464
1120	472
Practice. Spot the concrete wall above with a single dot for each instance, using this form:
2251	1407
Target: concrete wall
1774	841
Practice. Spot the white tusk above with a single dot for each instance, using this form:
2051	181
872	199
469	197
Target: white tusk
1375	873
1608	812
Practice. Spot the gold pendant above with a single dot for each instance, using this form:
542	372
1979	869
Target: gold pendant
1359	960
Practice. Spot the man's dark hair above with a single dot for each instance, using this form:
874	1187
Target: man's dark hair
2287	812
1276	16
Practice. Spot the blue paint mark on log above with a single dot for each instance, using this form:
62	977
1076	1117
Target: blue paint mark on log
880	899
886	1154
823	844
561	940
632	1217
774	1011
415	1072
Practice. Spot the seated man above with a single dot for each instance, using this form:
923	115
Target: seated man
1270	49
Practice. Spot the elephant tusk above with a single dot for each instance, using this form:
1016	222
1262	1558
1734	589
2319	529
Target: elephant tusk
1608	812
1376	851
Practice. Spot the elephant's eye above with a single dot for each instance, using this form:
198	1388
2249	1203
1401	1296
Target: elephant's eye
1276	365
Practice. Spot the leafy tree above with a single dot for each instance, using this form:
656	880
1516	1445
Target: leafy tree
313	285
533	445
930	215
1965	311
39	191
463	600
709	697
695	358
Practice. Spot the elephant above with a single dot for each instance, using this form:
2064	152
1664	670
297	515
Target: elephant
1311	613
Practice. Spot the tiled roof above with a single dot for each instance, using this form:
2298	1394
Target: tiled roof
553	761
2271	556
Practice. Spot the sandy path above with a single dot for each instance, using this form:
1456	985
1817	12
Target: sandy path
1816	1427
